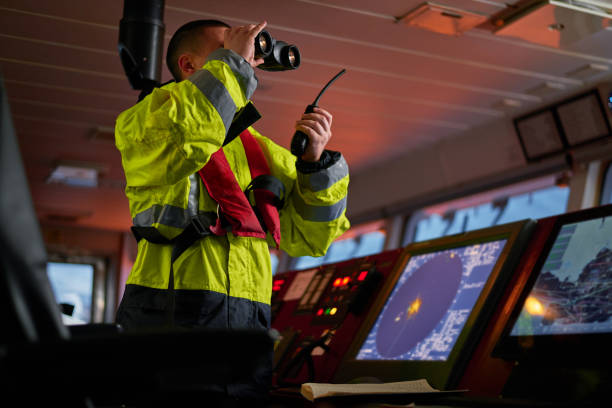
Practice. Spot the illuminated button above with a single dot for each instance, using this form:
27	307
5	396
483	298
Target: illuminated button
319	312
346	280
333	311
327	311
362	275
338	282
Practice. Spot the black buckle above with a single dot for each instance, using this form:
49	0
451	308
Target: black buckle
199	227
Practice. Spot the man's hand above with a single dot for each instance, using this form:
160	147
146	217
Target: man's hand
317	126
242	41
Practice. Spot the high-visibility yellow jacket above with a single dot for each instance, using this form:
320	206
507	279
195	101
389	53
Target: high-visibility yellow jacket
170	135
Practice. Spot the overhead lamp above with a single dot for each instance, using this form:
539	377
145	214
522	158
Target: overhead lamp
442	19
546	89
553	23
75	174
103	134
588	71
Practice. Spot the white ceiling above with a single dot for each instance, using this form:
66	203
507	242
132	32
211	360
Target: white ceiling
405	88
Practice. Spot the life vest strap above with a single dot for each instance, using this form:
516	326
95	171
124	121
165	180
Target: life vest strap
198	228
271	184
269	194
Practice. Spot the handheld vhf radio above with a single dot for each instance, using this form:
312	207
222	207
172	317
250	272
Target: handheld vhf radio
300	139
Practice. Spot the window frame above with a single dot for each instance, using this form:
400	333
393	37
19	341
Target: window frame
100	284
605	189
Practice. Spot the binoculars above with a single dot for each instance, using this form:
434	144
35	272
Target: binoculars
277	55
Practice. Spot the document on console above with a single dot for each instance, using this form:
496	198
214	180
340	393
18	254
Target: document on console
312	391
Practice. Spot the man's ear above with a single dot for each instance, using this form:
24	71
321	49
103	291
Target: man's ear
186	65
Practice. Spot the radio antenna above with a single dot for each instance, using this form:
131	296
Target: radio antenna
300	139
331	81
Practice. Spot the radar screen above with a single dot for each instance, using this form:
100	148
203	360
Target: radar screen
573	292
430	303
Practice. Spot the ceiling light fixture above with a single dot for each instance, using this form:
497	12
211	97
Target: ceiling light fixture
442	19
75	174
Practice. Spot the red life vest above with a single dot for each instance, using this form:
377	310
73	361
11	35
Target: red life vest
234	206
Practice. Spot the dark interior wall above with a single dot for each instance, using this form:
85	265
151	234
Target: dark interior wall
129	250
79	241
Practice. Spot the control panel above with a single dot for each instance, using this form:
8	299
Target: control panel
343	292
314	290
319	311
280	283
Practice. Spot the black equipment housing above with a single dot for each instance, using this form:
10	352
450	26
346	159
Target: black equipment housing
141	40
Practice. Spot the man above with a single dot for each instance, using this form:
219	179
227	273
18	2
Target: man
223	279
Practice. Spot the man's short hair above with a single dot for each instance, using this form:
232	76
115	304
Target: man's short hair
182	40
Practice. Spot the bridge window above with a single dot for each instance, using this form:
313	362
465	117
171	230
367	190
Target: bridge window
357	242
534	199
73	284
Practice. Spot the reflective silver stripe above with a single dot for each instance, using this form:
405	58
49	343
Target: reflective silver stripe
194	193
318	213
324	178
167	215
242	69
216	93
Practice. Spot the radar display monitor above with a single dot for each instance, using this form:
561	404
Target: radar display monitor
434	307
565	310
430	303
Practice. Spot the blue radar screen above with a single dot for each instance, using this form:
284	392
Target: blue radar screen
430	303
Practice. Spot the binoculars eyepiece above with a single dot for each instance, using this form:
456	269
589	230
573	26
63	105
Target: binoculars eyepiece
277	55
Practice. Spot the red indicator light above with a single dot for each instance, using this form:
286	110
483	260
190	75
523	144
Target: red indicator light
277	285
319	312
362	275
338	282
346	280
